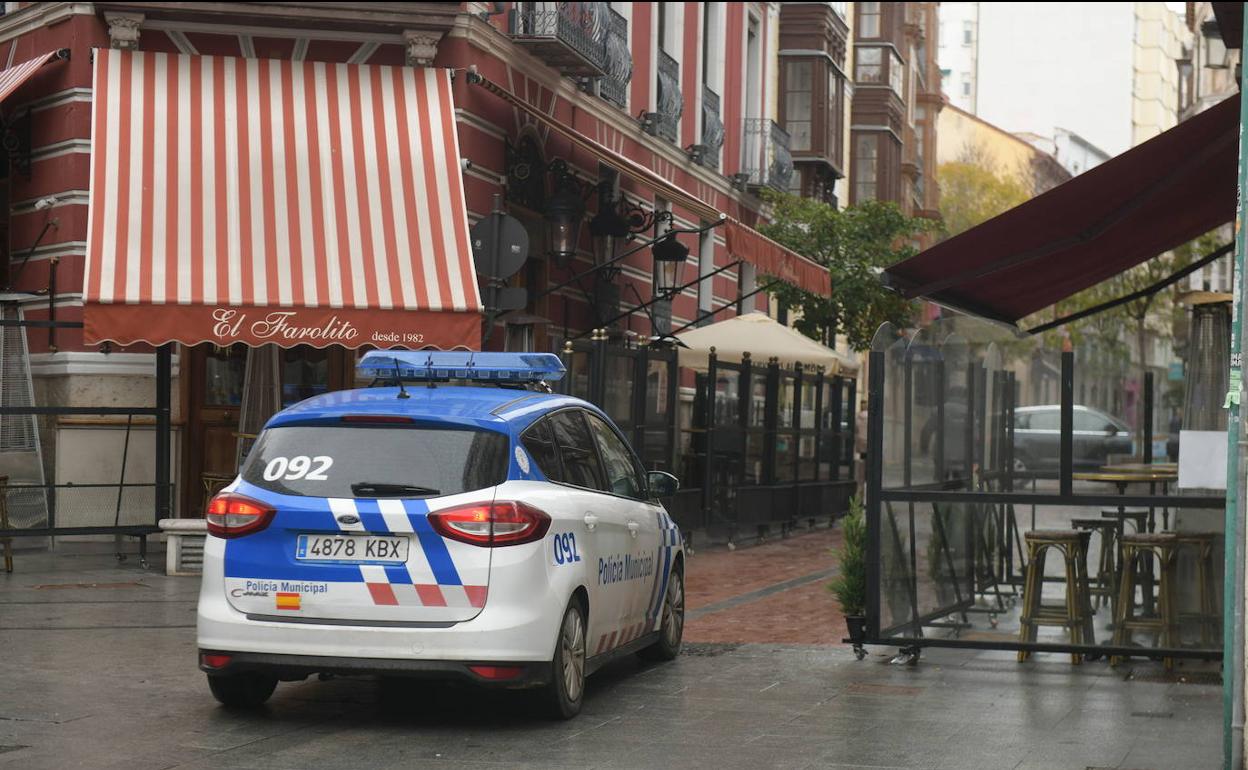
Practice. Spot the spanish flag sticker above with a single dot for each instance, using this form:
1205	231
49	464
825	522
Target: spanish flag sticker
287	601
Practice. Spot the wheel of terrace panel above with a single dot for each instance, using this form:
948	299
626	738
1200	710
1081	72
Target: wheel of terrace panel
242	690
671	632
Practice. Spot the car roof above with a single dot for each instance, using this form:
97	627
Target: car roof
486	407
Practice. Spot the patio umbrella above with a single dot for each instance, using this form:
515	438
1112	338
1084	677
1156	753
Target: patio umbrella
762	337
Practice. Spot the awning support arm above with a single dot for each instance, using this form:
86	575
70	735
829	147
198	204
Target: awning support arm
628	253
1156	287
666	295
736	301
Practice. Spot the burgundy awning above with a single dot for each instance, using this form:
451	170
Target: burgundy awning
1156	196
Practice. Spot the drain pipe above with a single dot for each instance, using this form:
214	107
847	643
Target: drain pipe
1237	451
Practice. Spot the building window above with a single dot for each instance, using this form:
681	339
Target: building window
869	65
868	20
896	74
966	84
798	94
968	32
834	115
865	169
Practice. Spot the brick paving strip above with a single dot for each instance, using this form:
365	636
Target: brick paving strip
770	593
761	593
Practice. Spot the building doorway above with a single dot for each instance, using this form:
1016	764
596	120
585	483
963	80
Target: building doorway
213	386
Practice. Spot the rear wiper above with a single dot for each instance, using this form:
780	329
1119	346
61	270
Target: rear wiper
382	489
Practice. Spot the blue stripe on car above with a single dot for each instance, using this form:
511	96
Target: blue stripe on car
432	543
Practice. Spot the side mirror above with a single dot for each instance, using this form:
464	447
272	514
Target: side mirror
661	484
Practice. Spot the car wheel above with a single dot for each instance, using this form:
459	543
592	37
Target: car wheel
242	690
672	629
566	689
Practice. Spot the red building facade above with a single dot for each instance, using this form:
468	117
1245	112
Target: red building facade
684	90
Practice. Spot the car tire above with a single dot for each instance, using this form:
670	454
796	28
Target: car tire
242	690
672	629
566	689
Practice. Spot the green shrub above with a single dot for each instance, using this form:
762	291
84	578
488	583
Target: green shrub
850	585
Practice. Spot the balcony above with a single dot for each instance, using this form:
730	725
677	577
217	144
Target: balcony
667	120
767	162
619	67
712	128
571	37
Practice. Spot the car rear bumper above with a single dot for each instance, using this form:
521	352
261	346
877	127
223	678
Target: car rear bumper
297	667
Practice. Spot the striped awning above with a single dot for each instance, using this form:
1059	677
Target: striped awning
267	201
12	78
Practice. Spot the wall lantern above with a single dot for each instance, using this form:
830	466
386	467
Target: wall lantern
669	264
565	210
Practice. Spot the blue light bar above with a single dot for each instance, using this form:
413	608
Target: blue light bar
444	365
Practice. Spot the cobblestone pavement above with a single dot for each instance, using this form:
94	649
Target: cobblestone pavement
97	670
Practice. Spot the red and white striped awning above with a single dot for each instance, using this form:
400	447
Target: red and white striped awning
12	78
267	201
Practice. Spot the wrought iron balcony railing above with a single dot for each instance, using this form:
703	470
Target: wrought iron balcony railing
619	66
767	161
571	37
670	103
712	128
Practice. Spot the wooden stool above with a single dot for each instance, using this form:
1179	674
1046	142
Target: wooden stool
1076	614
1105	585
1138	552
1207	618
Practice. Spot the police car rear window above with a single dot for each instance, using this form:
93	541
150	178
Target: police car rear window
373	461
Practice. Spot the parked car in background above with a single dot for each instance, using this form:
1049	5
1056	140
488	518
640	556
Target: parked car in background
1038	437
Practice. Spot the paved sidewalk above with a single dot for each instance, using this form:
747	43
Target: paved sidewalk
97	670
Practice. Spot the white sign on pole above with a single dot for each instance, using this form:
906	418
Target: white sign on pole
1202	459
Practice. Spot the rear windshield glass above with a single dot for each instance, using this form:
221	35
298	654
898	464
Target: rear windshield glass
376	461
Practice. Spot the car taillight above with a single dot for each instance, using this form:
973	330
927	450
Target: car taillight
215	659
492	524
229	515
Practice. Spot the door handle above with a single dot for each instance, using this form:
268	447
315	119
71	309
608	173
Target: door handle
590	521
633	527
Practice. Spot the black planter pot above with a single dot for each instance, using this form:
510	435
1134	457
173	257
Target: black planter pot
857	625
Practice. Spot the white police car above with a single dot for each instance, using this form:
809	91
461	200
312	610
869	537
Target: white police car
499	534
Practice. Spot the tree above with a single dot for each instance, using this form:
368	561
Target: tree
973	191
855	244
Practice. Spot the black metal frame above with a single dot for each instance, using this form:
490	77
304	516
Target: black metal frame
907	632
162	482
727	434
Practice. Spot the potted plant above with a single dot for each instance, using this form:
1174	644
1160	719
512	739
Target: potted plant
850	584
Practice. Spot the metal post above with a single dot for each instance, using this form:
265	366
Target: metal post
770	410
708	461
1147	449
641	372
1066	456
164	378
1233	574
796	432
852	422
818	426
838	410
938	436
875	484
